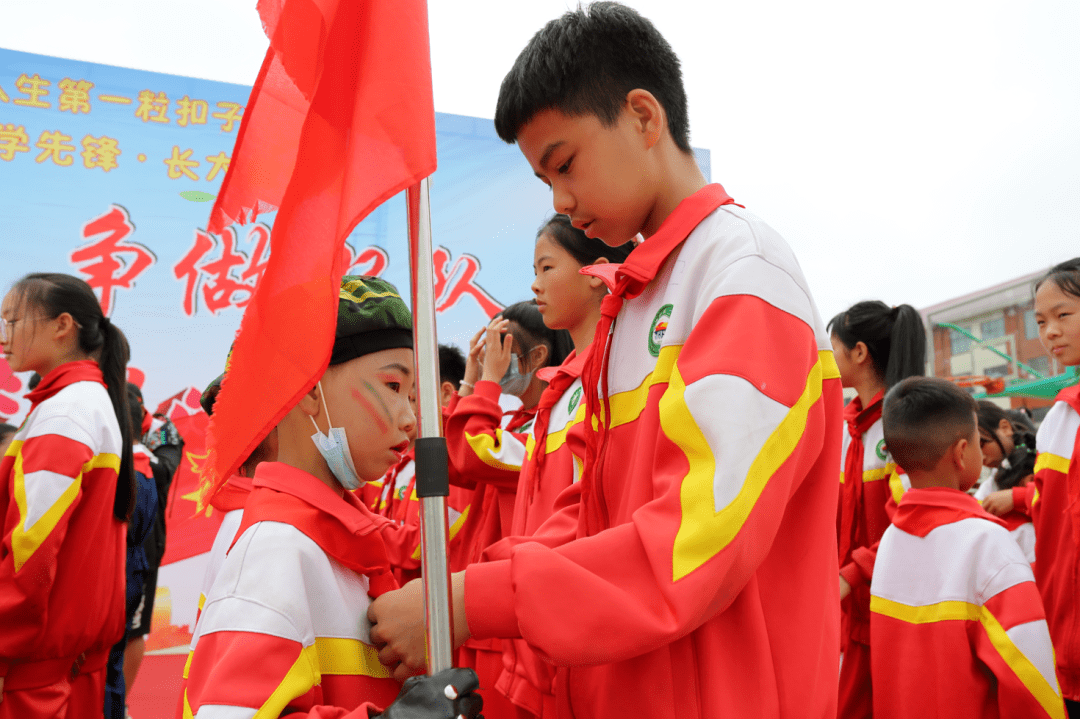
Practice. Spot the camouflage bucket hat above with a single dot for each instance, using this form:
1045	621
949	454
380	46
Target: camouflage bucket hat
371	317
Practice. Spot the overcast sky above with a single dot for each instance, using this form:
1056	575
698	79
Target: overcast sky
910	152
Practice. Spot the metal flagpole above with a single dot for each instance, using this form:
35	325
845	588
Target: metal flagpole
432	477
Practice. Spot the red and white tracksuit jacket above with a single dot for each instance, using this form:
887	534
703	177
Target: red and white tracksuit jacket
230	500
486	459
285	625
957	625
552	464
1018	521
394	497
1054	501
700	579
63	552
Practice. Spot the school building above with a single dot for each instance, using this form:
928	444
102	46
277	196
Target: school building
1000	318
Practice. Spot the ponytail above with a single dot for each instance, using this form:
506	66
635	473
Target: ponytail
894	337
55	294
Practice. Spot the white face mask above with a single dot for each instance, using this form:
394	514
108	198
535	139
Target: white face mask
334	448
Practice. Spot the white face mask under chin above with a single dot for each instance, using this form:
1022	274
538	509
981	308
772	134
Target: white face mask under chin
334	448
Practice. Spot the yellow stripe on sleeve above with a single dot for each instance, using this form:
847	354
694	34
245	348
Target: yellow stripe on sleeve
1054	462
302	676
487	448
1047	695
349	657
25	542
704	532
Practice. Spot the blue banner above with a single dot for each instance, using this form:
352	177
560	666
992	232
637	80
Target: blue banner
109	174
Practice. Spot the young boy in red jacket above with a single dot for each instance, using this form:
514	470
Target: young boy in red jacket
956	621
284	628
696	575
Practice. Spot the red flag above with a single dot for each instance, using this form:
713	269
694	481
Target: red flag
340	119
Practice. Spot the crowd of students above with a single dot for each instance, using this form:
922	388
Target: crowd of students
657	530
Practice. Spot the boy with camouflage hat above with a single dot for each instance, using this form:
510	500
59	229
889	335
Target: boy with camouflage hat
284	628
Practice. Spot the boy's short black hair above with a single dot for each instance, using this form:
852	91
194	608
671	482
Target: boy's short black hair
585	63
7	429
922	417
451	365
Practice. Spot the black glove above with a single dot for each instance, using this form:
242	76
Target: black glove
447	695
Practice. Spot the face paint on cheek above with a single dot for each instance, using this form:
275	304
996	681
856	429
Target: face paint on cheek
370	409
374	393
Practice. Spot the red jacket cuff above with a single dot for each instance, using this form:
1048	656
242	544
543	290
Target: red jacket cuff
852	575
489	600
488	390
3	668
1022	498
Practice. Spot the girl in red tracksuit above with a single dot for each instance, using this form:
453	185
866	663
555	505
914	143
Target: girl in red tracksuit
1053	498
875	347
568	301
486	457
66	490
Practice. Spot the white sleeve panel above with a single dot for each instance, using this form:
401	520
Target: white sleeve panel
222	711
1033	639
277	581
1057	433
735	438
43	489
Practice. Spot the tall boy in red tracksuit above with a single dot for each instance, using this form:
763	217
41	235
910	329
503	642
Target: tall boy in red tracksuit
700	577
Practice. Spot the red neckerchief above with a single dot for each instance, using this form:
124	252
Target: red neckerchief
387	508
858	421
922	510
558	379
64	375
341	525
233	494
1071	397
627	281
519	418
140	460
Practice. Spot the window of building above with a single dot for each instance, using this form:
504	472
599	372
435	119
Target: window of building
993	328
1040	364
1031	330
960	343
1001	370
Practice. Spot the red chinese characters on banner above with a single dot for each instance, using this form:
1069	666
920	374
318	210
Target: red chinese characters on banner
452	285
112	262
229	279
10	392
371	261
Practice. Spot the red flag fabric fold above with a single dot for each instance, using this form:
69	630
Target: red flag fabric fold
340	119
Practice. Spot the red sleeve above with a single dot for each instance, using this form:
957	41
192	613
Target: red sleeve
678	560
480	450
860	570
268	674
45	484
1014	642
561	527
1023	498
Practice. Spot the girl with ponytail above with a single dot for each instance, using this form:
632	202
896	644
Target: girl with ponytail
875	347
66	489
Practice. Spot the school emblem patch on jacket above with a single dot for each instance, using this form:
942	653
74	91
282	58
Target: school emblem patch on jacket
659	327
882	453
574	399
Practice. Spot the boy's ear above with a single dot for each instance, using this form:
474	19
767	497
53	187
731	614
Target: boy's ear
648	113
595	282
310	401
446	392
957	450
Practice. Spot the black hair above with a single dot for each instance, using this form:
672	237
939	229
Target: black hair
894	337
35	380
54	294
7	430
1066	275
585	63
1021	461
451	365
135	409
922	417
527	316
584	250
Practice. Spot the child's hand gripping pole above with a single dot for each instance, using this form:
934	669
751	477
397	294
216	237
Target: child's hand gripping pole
432	477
